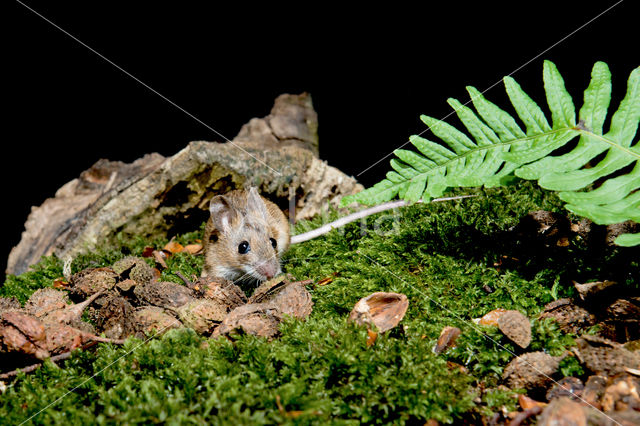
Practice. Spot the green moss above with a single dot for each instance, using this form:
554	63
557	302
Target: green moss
440	255
39	276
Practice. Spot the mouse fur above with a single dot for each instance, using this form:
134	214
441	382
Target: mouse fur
242	218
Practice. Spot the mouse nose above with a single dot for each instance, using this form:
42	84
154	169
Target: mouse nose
268	269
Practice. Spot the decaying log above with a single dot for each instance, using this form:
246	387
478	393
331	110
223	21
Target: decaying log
156	196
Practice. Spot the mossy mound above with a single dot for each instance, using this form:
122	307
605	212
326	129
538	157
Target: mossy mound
447	258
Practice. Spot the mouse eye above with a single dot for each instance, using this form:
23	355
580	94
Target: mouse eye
244	248
274	243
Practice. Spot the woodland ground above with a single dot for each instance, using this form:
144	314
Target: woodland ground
446	257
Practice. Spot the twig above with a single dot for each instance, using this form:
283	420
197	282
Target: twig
104	339
524	415
183	278
54	359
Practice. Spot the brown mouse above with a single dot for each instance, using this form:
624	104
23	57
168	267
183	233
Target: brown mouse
244	237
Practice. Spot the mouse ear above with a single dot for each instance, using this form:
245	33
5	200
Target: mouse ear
255	203
222	213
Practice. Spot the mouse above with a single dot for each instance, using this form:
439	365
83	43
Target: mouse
244	238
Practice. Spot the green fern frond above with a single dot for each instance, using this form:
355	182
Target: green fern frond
498	148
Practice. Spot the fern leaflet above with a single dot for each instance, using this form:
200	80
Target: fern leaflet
498	148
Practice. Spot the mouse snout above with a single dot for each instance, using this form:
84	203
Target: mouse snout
268	269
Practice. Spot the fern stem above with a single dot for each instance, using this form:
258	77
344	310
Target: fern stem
359	215
485	148
629	151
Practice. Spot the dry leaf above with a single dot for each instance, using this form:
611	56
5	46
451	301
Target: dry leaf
447	339
371	338
60	283
325	281
527	403
147	251
23	333
159	257
384	310
193	248
63	338
126	285
173	247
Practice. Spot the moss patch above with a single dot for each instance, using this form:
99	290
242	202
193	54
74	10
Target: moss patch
441	255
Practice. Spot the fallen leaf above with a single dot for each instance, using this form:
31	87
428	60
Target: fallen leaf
174	247
60	283
23	333
325	281
147	251
156	274
159	257
527	403
193	248
447	339
371	337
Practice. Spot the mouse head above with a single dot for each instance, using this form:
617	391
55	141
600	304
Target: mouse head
244	245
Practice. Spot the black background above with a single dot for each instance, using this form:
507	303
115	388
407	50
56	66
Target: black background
371	71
